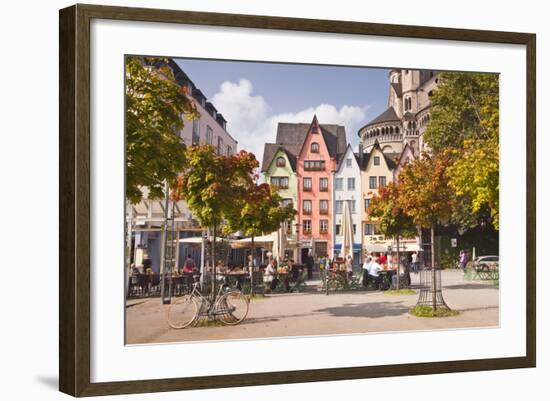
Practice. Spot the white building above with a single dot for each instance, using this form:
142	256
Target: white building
146	218
210	128
347	188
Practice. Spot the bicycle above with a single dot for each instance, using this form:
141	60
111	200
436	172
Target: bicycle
230	307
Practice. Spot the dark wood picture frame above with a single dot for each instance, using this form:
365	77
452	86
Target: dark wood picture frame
74	199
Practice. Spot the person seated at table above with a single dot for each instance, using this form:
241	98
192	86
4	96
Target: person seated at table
374	273
189	265
270	278
366	268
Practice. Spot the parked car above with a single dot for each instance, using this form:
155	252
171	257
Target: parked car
486	262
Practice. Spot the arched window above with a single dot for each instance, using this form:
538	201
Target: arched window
281	162
397	130
391	130
314	147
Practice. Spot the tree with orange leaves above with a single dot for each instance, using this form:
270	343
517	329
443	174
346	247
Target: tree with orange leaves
427	197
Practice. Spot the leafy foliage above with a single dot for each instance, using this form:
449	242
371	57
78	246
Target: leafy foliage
427	197
155	104
387	206
464	124
260	211
464	106
214	185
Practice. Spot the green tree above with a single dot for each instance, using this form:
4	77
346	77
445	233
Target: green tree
394	223
464	124
464	106
260	211
214	185
428	199
155	104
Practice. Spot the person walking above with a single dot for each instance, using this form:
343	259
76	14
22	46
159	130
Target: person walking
414	262
309	264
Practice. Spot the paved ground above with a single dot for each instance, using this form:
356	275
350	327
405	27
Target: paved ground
316	313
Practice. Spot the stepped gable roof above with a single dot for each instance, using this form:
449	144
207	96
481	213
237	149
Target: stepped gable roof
292	136
270	150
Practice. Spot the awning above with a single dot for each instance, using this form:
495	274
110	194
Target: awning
261	241
376	248
356	247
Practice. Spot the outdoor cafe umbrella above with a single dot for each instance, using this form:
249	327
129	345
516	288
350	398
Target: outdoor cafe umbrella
276	244
347	232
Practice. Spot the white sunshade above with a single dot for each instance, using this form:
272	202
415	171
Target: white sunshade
264	241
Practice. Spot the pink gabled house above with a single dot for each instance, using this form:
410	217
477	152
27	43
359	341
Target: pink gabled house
316	161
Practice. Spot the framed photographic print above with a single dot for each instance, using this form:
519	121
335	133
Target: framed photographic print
249	200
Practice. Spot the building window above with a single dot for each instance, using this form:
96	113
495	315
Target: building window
369	229
220	145
338	228
196	133
351	205
348	162
209	135
285	202
376	160
281	162
381	181
307	184
229	150
314	147
279	182
314	165
323	206
354	228
351	184
307	226
338	206
323	184
367	204
372	182
306	206
339	184
313	130
323	226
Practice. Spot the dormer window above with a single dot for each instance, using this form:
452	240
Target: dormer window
314	147
281	162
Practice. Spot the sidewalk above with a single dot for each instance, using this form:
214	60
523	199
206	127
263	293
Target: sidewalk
314	313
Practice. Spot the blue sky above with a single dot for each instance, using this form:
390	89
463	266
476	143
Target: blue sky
254	96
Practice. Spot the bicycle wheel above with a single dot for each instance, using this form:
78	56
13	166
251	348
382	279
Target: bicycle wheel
182	312
233	308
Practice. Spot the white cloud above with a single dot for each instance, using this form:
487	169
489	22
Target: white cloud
249	120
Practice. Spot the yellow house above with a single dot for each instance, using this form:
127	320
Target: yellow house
376	172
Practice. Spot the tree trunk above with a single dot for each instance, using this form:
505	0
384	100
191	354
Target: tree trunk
251	272
398	272
214	263
434	284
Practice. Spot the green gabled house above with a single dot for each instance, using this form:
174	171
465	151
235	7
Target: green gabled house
279	170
